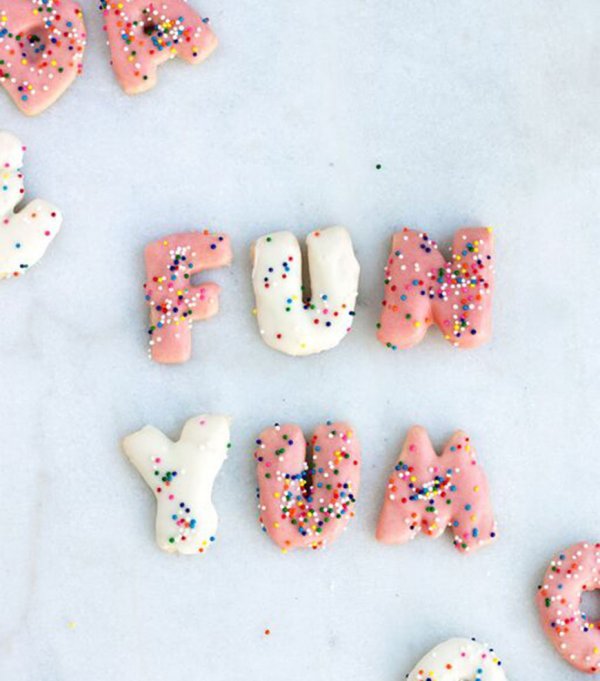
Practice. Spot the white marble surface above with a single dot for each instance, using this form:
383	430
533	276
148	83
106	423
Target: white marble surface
479	112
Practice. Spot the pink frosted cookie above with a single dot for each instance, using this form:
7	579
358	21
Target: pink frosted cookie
569	575
307	500
427	493
174	302
41	50
24	236
143	34
422	289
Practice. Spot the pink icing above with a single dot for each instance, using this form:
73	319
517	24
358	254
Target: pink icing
569	574
41	50
174	302
422	289
307	501
427	494
144	34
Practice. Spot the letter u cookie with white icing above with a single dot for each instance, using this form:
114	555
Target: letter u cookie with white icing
288	319
422	289
459	659
143	34
41	50
427	493
307	493
24	236
181	474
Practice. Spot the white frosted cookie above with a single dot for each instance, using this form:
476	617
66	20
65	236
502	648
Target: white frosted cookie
288	320
181	474
459	659
24	236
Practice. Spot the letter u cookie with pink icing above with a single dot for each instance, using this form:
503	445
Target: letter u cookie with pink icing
307	493
422	288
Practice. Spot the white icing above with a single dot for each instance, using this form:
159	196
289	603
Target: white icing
181	474
286	321
459	659
24	236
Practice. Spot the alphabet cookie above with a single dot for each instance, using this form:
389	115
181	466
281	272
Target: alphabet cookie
422	289
290	321
41	50
24	236
459	659
306	500
143	34
181	474
174	302
427	494
570	574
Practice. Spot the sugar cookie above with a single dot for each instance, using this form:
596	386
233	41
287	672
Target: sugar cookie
570	574
307	500
24	236
422	289
41	50
459	659
143	34
427	493
289	321
174	302
181	474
